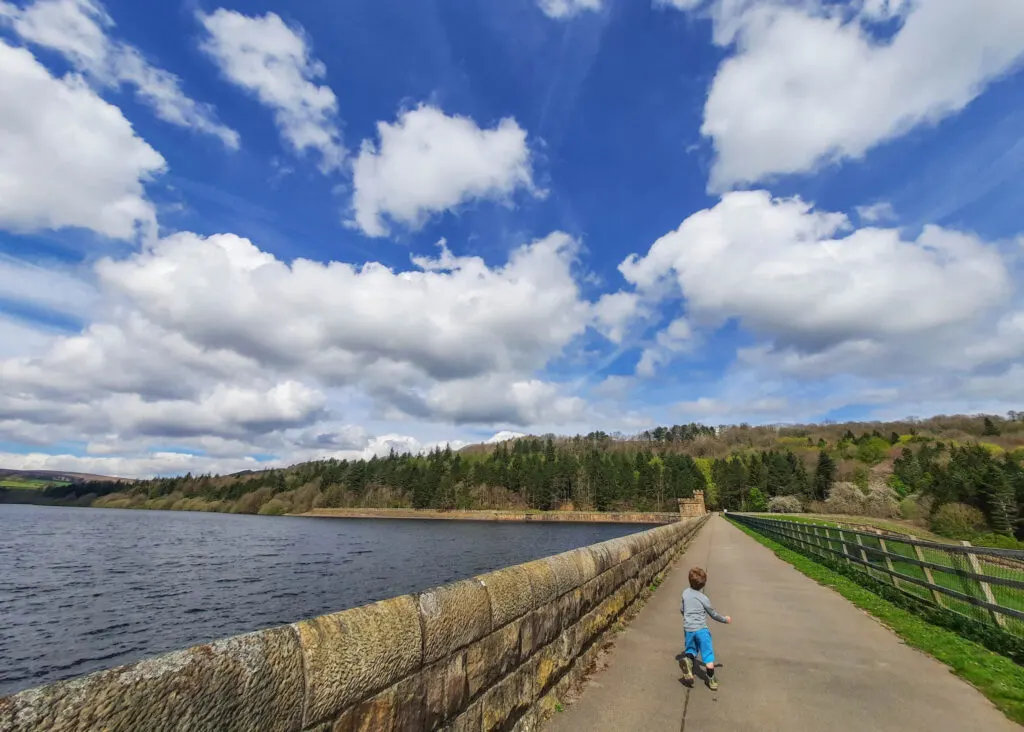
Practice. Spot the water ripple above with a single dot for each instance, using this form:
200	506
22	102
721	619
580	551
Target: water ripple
88	589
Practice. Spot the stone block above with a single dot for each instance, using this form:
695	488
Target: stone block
607	582
553	659
252	681
546	625
456	689
545	670
569	607
620	550
577	640
636	544
445	690
491	658
620	573
590	595
399	708
453	616
632	588
546	705
526	642
469	721
510	593
375	714
344	723
529	722
568	569
409	704
434	688
604	558
507	700
351	655
542	581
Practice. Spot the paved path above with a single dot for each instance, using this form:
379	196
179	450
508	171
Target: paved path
797	657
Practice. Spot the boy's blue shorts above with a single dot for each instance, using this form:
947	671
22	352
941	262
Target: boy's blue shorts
698	643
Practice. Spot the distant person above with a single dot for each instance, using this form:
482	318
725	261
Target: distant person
696	608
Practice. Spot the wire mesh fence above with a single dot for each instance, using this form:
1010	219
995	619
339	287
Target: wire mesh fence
977	582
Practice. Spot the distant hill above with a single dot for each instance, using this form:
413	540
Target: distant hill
42	478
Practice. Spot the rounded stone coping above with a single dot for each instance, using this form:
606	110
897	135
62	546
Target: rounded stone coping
303	673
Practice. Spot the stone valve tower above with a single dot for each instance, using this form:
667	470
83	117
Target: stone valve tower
692	507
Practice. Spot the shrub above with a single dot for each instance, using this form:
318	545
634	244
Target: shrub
274	507
817	507
845	498
861	476
910	509
896	483
958	521
997	541
881	502
756	501
253	502
785	504
873	451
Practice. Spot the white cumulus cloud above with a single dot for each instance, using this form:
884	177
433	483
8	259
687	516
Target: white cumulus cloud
561	9
67	157
427	162
218	347
273	61
79	30
805	278
876	212
676	338
811	83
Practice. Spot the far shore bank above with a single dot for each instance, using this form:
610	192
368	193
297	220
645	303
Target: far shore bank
484	515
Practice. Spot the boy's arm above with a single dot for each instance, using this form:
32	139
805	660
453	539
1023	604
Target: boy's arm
711	611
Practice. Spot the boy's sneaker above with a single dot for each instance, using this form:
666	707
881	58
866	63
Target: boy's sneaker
713	684
686	664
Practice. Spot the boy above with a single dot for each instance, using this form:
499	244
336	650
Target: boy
696	607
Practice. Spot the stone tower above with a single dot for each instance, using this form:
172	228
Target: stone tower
692	507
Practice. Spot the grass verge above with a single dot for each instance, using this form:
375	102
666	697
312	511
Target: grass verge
830	519
994	675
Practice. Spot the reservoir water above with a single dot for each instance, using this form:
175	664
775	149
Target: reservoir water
83	589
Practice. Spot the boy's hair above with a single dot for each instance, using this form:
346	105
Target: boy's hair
698	578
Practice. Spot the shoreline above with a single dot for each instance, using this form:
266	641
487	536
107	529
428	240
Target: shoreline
615	517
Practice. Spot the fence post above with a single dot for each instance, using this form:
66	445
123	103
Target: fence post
888	561
846	549
821	546
936	595
986	589
864	555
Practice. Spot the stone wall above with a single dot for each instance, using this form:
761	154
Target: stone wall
692	507
490	653
482	515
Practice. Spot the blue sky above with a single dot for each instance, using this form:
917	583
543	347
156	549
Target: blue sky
263	232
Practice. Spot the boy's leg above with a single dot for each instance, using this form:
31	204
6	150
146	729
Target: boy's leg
686	662
707	653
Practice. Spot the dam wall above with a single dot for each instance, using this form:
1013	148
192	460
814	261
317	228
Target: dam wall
593	517
494	652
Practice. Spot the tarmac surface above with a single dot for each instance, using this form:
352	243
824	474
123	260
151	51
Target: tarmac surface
797	657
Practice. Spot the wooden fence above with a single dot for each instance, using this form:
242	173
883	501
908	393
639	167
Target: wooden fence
978	582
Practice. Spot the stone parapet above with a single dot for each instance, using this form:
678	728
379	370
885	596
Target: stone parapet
489	653
595	517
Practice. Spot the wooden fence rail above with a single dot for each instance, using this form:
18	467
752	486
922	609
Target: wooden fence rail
977	582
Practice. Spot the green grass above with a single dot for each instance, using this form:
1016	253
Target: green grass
899	527
996	676
29	483
1007	596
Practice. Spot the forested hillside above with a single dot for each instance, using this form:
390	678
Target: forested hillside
959	475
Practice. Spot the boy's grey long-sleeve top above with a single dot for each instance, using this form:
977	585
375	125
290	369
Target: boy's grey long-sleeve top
696	608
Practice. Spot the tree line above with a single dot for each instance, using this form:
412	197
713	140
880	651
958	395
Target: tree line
968	468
